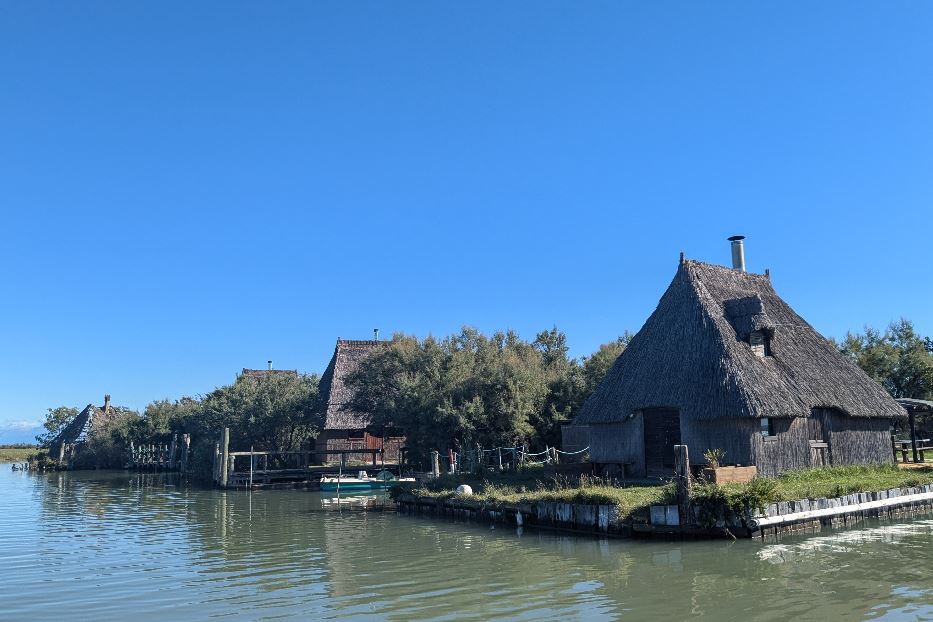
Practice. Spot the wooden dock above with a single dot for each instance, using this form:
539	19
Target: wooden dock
288	469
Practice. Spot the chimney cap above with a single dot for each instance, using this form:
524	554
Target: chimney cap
735	238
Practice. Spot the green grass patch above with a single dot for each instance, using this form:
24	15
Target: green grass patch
531	485
844	480
16	454
717	502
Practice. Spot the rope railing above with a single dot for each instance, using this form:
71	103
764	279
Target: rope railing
573	453
501	458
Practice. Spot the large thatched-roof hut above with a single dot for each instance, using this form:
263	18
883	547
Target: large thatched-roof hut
73	437
344	427
725	363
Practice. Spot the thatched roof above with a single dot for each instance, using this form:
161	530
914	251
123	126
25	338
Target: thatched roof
915	405
259	374
693	354
333	388
78	429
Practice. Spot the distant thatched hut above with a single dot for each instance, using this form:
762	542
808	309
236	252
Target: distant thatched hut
345	428
724	363
73	436
259	374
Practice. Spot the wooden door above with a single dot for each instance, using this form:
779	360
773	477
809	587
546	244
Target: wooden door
662	432
816	432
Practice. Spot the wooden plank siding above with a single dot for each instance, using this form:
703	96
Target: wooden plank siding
574	437
345	439
617	444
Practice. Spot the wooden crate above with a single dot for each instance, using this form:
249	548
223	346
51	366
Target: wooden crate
731	474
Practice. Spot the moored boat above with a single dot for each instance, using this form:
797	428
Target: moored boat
362	481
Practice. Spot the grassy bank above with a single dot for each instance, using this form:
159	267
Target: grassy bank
16	454
839	481
532	485
715	502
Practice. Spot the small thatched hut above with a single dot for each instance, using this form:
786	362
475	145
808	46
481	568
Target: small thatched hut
345	428
724	363
259	374
73	436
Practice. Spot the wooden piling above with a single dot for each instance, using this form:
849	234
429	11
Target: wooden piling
217	462
683	482
186	448
435	463
225	457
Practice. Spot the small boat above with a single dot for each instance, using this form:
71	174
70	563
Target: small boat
362	481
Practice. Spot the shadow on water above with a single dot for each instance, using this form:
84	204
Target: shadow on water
160	547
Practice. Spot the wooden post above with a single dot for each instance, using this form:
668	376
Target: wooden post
132	454
683	482
500	459
913	432
435	463
172	450
186	444
894	446
225	457
251	466
217	462
479	457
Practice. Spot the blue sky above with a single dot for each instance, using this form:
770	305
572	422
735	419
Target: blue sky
191	188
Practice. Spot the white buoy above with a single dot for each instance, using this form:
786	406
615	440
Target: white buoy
464	490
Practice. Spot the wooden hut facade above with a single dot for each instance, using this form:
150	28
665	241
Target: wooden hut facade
345	428
725	363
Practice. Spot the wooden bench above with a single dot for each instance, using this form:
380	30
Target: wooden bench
922	446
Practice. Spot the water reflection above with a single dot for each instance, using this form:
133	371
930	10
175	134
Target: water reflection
112	546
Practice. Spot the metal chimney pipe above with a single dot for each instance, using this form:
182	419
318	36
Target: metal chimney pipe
376	334
270	364
738	252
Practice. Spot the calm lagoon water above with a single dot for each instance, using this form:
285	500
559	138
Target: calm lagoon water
117	546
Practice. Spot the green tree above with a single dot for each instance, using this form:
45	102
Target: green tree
469	388
597	365
55	421
899	359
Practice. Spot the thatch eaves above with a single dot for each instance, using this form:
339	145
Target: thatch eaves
693	354
334	391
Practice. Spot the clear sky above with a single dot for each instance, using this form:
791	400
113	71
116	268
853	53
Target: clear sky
190	188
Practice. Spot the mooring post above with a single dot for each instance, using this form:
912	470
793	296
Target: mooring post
172	450
436	463
186	443
225	457
251	467
683	482
500	459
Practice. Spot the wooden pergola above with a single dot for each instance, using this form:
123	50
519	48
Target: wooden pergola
913	408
